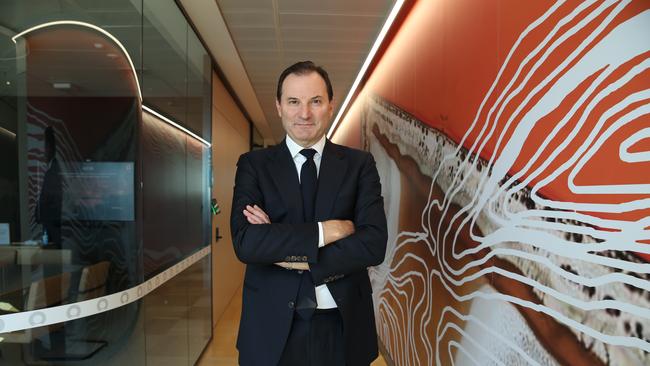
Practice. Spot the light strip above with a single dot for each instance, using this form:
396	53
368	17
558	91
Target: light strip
77	310
366	64
8	132
169	121
126	53
87	25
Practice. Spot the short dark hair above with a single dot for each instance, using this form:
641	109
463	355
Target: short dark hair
304	68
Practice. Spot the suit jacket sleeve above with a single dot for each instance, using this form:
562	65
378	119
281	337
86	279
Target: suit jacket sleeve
266	243
367	246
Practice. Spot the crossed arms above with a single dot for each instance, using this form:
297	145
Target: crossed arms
350	245
333	230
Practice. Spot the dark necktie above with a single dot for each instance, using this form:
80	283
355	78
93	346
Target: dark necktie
308	182
306	303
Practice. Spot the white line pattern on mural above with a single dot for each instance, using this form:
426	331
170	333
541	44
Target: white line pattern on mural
525	235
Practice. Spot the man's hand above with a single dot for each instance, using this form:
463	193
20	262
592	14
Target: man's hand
302	266
255	215
334	230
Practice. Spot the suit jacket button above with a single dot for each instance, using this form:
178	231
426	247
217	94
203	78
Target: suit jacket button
299	271
291	304
304	258
293	258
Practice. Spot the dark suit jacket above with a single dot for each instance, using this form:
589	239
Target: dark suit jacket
50	203
348	188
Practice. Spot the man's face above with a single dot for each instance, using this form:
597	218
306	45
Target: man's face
304	108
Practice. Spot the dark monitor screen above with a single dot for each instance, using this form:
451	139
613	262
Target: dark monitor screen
98	191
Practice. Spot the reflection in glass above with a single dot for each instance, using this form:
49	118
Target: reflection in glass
76	115
164	59
71	134
199	87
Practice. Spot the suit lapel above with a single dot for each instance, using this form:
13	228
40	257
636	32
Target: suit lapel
283	171
333	167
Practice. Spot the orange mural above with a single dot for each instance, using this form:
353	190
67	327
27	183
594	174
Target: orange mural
512	139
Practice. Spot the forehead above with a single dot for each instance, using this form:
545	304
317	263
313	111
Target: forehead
304	86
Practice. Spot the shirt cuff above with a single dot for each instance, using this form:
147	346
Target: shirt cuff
321	237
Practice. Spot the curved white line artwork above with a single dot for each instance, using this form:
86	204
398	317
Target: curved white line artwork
581	258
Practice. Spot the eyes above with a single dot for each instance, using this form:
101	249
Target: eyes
296	102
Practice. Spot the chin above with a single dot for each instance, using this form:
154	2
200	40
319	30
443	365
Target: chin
305	138
305	135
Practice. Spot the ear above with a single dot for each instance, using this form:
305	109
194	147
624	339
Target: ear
279	108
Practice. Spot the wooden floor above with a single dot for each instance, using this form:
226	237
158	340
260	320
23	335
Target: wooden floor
221	351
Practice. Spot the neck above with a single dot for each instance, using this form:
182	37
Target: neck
305	143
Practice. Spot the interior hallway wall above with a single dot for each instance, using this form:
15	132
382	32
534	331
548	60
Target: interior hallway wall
230	138
511	138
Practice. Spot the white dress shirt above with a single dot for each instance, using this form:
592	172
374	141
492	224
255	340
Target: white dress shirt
323	295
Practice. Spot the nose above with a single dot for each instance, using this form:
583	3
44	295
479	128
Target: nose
305	111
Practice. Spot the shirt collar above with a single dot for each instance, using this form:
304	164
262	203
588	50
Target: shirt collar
294	148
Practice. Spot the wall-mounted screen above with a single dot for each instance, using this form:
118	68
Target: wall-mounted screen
99	191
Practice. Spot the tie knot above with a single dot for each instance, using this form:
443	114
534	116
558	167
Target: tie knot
308	153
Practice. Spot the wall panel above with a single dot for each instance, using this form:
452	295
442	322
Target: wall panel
231	137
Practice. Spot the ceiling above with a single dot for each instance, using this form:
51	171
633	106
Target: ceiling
252	41
270	35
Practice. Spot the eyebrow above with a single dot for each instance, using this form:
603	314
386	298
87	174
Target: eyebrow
312	98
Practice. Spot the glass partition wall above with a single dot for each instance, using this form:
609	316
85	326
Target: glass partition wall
104	184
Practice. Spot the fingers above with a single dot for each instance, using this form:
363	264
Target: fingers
334	230
252	218
294	265
255	215
259	213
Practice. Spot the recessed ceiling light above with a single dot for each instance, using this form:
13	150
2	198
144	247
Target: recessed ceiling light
8	82
98	45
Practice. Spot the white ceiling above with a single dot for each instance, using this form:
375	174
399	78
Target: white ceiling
270	35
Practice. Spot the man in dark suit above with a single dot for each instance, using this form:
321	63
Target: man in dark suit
307	219
48	209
